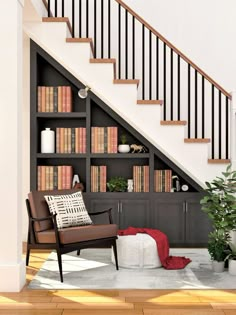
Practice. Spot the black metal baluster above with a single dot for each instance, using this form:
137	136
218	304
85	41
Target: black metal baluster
133	45
203	107
87	19
157	68
102	27
119	40
109	28
62	8
227	127
73	18
220	127
95	28
150	65
196	101
178	89
212	122
55	8
126	44
189	101
171	84
80	19
164	79
49	8
143	62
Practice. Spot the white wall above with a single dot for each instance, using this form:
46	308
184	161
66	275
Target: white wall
204	30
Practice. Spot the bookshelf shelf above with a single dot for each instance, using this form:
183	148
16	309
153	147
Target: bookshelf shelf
177	214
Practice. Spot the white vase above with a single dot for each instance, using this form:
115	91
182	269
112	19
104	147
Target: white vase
47	141
232	235
232	267
123	148
218	266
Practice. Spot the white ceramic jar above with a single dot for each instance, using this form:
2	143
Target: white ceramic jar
47	141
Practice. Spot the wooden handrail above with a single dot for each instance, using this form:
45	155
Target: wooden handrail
177	51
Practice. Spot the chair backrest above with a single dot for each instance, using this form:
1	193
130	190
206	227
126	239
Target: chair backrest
39	207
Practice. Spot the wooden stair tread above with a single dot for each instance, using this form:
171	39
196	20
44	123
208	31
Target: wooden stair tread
218	161
58	19
96	60
149	102
126	81
173	122
197	140
81	40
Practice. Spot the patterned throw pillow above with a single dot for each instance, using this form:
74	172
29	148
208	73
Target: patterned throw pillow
70	209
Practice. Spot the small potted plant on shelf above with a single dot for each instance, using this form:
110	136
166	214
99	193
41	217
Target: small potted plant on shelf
231	256
117	184
217	245
123	147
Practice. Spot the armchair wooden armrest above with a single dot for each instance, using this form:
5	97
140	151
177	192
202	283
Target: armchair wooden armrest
108	211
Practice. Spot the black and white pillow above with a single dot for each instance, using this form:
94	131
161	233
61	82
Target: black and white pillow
70	209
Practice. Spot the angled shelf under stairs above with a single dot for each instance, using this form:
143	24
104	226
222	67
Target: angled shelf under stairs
178	214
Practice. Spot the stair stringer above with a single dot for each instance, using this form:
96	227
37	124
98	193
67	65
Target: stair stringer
122	98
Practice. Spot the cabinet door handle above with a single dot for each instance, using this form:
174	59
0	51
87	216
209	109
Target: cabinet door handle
118	207
121	207
186	207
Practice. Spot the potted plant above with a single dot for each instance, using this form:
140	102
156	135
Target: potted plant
217	245
220	201
232	258
123	147
117	184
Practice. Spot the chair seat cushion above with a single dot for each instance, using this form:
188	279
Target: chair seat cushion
79	233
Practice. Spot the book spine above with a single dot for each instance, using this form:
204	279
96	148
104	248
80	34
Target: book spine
43	98
55	178
55	99
69	140
39	178
72	140
51	99
39	99
63	99
68	99
59	99
43	177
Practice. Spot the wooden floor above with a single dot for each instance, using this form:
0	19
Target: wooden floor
114	302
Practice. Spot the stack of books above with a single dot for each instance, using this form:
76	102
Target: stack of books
162	180
104	139
98	178
71	140
54	99
141	178
54	177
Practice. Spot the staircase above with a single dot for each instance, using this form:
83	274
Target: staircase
183	133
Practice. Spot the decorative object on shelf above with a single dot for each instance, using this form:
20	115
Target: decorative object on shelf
123	147
231	256
117	184
138	148
184	187
83	93
130	183
47	141
176	184
76	183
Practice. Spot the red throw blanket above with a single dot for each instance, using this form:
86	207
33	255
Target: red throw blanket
168	262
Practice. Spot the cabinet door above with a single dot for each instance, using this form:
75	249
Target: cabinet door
103	204
168	216
134	213
198	225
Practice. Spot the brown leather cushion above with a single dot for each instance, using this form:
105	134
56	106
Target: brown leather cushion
78	233
39	207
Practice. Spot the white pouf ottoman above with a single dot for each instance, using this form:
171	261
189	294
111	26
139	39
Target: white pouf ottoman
137	251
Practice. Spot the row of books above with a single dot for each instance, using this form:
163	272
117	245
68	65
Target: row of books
98	178
54	177
162	180
54	99
71	140
104	139
141	178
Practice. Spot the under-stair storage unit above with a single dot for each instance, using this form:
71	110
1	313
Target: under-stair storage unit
87	134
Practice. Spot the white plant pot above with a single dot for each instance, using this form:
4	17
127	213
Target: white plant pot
232	235
232	267
218	266
123	148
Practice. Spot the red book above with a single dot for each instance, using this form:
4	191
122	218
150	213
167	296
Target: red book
68	99
59	99
63	99
43	99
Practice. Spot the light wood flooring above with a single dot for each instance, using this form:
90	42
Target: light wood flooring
114	302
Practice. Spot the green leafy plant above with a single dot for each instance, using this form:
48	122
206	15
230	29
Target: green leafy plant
217	245
220	201
123	138
231	252
117	184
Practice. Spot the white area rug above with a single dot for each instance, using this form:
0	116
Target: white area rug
93	270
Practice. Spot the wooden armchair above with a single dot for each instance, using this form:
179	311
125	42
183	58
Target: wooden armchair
43	231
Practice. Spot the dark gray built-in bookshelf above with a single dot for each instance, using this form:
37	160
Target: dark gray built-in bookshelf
178	214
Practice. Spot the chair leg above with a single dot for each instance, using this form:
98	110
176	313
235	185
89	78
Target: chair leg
78	252
60	264
27	256
115	254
